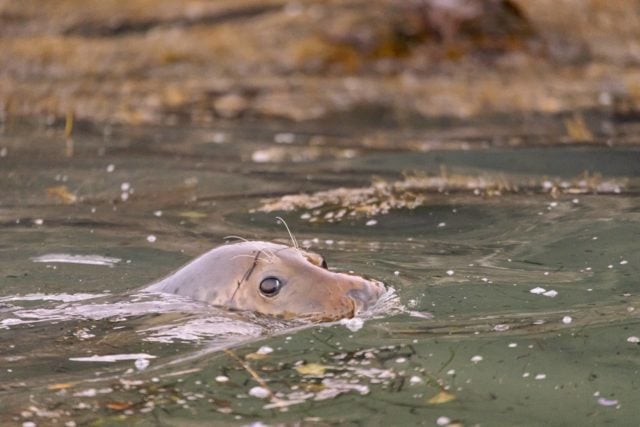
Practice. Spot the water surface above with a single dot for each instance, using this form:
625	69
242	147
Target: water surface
517	307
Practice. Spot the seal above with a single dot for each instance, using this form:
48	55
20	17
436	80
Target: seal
272	279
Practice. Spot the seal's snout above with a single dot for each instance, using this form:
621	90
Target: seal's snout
366	294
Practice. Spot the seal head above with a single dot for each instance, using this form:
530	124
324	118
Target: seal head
272	279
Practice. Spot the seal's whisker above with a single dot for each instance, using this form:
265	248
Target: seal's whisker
235	237
293	239
270	254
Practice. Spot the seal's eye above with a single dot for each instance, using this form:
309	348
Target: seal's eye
270	286
324	264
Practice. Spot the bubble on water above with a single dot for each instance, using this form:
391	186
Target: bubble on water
125	186
551	294
442	224
603	401
218	138
38	221
450	272
567	319
451	372
633	339
623	262
501	327
222	379
443	421
157	213
476	358
526	375
259	392
537	290
415	380
151	238
512	345
265	349
141	364
540	376
371	222
111	168
284	138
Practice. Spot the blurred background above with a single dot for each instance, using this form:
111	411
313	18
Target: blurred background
200	61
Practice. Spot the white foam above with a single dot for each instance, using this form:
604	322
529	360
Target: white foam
77	259
113	357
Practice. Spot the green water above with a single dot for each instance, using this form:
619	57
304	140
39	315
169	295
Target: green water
472	345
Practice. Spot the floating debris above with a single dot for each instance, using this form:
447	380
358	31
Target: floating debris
413	191
62	194
312	369
442	397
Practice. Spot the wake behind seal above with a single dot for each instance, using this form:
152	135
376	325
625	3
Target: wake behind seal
271	279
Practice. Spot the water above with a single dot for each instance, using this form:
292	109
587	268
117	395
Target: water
471	344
